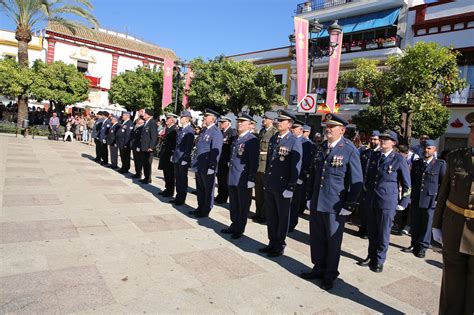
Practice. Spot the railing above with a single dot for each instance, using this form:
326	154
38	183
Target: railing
353	98
94	81
464	98
309	6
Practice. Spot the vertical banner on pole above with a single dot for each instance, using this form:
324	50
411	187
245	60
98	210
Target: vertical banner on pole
301	45
167	83
333	71
186	88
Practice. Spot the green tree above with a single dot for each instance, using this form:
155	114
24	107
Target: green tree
59	83
141	88
29	15
14	80
226	85
406	95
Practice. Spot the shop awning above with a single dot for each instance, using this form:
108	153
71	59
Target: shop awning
365	22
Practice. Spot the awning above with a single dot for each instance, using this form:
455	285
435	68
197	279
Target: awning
365	22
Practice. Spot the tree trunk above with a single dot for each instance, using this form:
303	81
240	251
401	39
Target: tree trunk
403	128
23	36
409	126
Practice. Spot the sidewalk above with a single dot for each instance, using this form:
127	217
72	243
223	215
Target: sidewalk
76	237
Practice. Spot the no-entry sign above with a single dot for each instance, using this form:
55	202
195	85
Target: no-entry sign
307	104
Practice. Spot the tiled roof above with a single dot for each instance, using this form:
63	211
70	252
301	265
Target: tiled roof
115	40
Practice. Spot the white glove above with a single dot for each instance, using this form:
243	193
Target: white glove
344	212
299	181
437	235
400	208
115	145
138	149
250	184
308	204
104	141
183	163
210	171
171	159
287	194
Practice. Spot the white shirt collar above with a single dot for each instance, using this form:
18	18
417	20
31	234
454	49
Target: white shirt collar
184	126
284	135
388	153
299	136
333	144
429	160
244	134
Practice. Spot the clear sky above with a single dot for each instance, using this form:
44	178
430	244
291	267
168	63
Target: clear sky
195	28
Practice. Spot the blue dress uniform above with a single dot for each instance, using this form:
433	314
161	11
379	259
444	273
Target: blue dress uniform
242	170
182	155
112	142
124	137
135	145
299	196
95	134
384	176
364	161
206	158
104	130
282	170
229	136
167	148
148	140
426	180
335	184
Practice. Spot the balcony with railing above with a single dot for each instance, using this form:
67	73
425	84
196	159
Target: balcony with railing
309	6
94	81
466	97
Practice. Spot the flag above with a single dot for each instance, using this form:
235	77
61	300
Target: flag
186	88
301	45
167	83
333	71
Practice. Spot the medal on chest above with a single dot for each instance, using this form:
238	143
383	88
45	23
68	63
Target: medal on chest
283	152
389	171
240	149
337	160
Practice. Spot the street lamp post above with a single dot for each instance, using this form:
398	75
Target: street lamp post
315	51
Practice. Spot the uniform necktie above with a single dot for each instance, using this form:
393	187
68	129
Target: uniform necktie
329	149
382	158
425	165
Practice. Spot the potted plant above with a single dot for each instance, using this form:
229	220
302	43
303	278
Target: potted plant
372	45
390	42
355	46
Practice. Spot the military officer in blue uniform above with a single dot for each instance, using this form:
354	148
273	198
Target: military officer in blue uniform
334	187
243	167
298	201
365	155
168	145
95	133
135	145
426	177
205	161
229	134
112	142
104	130
387	171
306	131
182	157
148	140
124	137
282	170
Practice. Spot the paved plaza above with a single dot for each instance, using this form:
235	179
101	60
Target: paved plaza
76	237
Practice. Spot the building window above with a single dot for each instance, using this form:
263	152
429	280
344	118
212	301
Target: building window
82	66
279	78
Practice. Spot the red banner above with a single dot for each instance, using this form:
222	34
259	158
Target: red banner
167	83
301	45
333	71
186	88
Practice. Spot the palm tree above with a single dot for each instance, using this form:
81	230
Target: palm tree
31	15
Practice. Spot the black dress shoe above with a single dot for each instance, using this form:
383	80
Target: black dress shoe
161	193
311	275
265	249
275	253
291	229
103	163
376	268
420	254
137	176
167	195
408	249
227	231
236	236
145	181
327	285
123	171
364	262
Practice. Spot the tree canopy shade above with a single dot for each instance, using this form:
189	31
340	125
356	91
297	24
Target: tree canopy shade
62	84
14	80
29	15
230	86
406	97
141	88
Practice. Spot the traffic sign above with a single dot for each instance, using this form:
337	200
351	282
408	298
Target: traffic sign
307	104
